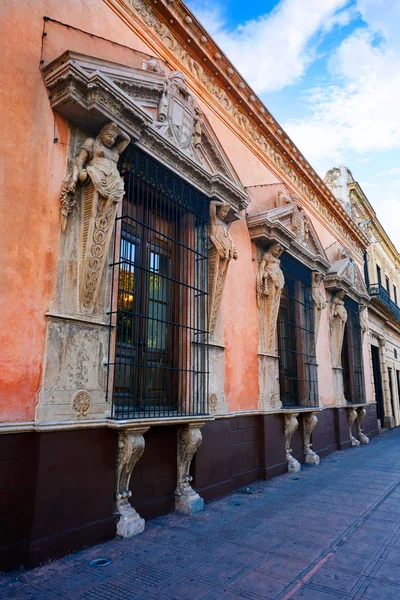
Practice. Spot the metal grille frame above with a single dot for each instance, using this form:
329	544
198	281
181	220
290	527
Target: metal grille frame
159	363
352	359
298	370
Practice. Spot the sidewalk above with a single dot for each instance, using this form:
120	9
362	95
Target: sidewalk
330	532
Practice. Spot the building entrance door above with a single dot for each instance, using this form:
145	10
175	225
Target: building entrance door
376	368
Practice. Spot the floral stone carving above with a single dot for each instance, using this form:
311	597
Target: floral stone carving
186	499
130	449
270	282
337	321
361	413
310	422
221	252
291	425
81	403
352	416
95	168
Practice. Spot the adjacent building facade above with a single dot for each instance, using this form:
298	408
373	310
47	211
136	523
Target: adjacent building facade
382	277
184	298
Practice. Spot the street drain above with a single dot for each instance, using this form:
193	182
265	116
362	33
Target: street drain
100	562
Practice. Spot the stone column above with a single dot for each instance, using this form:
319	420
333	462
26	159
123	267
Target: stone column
310	421
186	499
361	412
389	417
291	424
352	416
130	449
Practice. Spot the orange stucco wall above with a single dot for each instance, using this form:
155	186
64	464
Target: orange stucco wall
32	170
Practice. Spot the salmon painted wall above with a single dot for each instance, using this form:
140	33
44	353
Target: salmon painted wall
31	170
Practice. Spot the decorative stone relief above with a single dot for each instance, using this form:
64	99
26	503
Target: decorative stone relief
186	499
291	425
253	132
319	300
310	422
103	189
363	322
352	416
213	402
130	449
337	322
222	250
81	403
344	274
153	65
361	413
269	285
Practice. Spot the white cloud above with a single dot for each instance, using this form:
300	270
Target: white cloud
275	49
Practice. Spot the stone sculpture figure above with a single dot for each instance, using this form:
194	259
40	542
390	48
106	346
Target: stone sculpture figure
97	161
270	282
95	168
319	301
221	252
337	320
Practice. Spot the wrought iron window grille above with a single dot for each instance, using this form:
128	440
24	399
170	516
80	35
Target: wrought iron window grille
352	360
298	373
158	351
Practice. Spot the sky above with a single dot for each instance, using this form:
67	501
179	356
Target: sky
329	72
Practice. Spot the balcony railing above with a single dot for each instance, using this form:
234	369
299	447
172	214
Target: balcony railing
378	291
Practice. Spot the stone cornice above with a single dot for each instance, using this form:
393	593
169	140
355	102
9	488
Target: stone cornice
173	32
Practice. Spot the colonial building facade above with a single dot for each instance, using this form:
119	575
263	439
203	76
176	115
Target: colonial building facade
382	277
184	298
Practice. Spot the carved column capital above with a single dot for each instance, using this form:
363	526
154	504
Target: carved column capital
352	416
188	441
310	421
361	413
130	449
291	425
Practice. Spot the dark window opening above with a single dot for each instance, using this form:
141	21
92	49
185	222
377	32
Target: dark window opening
398	385
395	294
376	370
297	363
387	285
352	360
379	273
390	376
160	287
366	273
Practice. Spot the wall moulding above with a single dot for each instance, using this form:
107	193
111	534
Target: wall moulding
284	159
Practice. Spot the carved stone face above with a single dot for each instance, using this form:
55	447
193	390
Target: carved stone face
108	138
318	277
341	295
223	211
275	250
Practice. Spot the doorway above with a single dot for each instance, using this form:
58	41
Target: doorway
376	369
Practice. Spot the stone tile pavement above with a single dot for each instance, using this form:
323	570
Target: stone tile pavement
328	533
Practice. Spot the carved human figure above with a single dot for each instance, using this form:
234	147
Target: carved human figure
270	282
319	301
221	252
197	127
363	321
97	161
337	321
175	82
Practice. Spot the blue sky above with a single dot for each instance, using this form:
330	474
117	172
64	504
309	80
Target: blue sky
329	71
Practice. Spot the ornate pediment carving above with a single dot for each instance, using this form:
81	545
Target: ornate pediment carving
156	110
345	275
288	225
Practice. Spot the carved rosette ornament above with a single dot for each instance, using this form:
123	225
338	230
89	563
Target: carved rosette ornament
81	403
220	253
95	169
361	413
310	422
291	425
337	321
352	416
186	499
130	449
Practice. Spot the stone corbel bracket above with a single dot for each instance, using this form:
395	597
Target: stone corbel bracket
310	421
352	416
189	439
130	449
90	92
291	425
361	413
